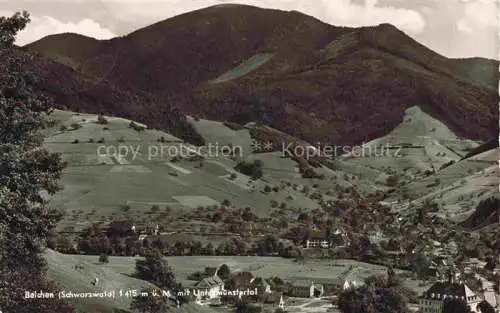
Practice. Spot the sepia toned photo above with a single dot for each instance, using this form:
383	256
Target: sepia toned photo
249	156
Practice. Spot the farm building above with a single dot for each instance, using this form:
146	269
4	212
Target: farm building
327	239
306	289
208	288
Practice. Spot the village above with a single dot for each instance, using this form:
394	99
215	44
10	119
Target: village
219	287
432	262
274	294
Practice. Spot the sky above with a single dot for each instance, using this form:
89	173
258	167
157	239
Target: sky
453	28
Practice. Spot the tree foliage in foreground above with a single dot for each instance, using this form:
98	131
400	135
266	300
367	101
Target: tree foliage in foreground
486	307
456	306
155	269
26	172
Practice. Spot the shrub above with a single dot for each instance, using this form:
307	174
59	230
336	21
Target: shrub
75	126
224	272
154	269
149	304
121	139
232	176
63	128
257	174
445	165
155	208
101	140
91	140
252	169
376	295
75	141
486	307
429	172
391	181
101	120
303	217
258	163
104	258
233	126
455	306
309	173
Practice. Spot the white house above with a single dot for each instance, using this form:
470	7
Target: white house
324	240
316	290
208	288
349	284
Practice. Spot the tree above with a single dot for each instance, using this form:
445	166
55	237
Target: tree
26	172
104	258
224	272
375	296
420	264
155	269
209	249
392	279
248	215
268	245
252	169
392	181
101	120
455	306
253	109
243	306
304	218
150	304
64	244
491	262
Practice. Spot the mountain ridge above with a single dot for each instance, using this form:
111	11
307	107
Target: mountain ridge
358	80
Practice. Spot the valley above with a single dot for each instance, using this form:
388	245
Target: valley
263	158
